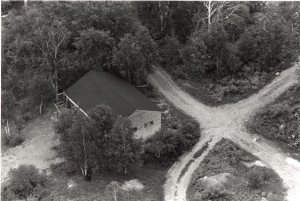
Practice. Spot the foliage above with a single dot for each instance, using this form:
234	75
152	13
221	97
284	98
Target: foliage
135	55
227	158
77	136
167	19
98	141
280	120
103	117
204	50
123	149
15	140
52	44
7	105
167	145
169	54
7	6
216	195
94	49
25	181
257	176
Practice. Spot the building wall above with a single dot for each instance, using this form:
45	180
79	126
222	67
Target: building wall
141	119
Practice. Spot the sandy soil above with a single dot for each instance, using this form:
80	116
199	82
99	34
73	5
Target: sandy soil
36	149
227	121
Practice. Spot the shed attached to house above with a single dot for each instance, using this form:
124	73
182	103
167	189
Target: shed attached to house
96	88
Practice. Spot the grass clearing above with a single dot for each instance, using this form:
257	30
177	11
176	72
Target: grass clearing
152	177
226	158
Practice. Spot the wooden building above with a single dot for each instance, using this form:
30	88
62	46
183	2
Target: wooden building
96	88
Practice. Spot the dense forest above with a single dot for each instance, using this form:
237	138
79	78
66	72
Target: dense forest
47	46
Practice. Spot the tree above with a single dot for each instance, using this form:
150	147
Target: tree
169	53
135	55
77	136
113	188
40	89
204	51
94	48
124	149
47	40
220	12
103	117
97	140
167	145
103	121
7	109
247	47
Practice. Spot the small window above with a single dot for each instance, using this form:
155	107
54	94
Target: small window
151	122
145	125
134	129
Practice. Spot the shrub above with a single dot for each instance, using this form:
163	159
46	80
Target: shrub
25	107
280	120
25	181
63	169
215	194
167	145
257	176
4	138
15	140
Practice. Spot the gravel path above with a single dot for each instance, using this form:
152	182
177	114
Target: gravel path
227	121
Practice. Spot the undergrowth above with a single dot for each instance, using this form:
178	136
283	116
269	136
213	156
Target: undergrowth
280	120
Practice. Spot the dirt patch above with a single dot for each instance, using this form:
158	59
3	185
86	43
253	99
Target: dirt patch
35	150
216	181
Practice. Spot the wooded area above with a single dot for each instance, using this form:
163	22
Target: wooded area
230	47
47	46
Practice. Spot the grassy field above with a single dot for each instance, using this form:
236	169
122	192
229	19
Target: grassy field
225	167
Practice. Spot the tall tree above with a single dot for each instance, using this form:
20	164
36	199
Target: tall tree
124	148
77	136
94	49
7	109
135	56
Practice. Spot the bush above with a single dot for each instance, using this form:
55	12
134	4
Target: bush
15	140
167	145
215	194
12	141
4	138
257	176
280	120
63	168
25	107
25	181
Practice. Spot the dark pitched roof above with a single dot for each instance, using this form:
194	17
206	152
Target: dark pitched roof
105	88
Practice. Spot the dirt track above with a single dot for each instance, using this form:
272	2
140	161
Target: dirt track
227	122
